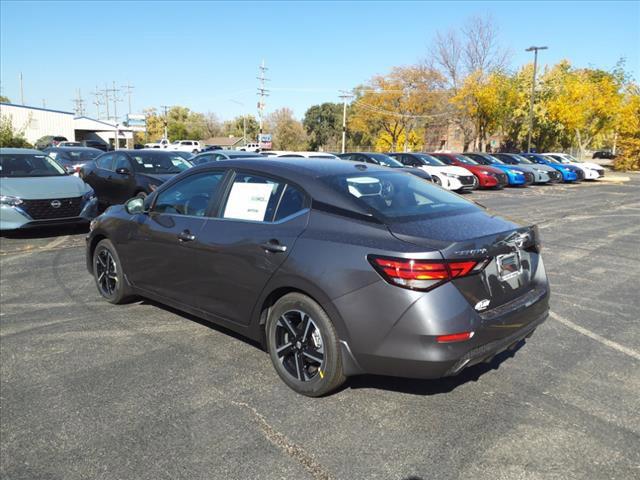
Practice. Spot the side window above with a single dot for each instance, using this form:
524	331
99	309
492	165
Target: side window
207	157
219	156
253	198
122	162
105	162
291	201
190	196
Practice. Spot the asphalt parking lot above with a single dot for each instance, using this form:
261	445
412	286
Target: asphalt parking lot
90	390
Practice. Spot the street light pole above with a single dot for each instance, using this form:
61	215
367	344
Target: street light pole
533	90
345	95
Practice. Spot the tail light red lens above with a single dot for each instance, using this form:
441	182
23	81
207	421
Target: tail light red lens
422	274
454	337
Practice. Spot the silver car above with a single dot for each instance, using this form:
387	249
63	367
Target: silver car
36	191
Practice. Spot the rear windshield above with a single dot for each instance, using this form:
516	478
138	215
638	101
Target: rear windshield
467	160
158	162
74	156
399	196
385	160
29	165
429	160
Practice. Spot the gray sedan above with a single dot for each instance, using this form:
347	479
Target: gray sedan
35	190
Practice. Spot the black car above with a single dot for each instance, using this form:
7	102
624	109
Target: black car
117	176
100	145
73	158
338	268
384	161
214	156
604	154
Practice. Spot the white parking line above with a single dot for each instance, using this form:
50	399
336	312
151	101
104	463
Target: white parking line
594	336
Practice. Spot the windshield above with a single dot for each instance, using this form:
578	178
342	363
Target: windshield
466	160
385	160
74	156
520	158
159	162
550	159
429	160
398	196
493	160
559	158
29	165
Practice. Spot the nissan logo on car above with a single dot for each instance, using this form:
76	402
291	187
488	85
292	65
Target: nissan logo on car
55	203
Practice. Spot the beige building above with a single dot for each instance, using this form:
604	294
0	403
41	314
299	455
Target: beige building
36	122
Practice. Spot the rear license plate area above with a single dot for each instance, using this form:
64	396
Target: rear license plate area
509	265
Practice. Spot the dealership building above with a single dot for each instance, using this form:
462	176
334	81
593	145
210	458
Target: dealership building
36	122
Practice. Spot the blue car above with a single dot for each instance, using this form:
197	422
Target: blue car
569	172
515	175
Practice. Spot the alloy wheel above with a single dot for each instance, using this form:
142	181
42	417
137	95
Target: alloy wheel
299	345
106	273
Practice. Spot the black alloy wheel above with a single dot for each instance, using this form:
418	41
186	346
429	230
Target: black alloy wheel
108	274
304	346
299	345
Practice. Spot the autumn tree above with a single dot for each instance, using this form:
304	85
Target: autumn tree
392	106
288	132
585	105
459	53
628	129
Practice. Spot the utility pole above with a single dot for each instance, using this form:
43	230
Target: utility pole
345	95
128	89
262	93
533	90
105	92
115	98
78	104
97	94
21	90
165	109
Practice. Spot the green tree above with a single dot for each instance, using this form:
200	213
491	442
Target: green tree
288	133
323	124
9	136
236	127
4	99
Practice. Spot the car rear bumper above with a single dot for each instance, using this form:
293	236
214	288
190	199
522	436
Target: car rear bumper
408	346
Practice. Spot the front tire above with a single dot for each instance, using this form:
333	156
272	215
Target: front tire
304	346
108	274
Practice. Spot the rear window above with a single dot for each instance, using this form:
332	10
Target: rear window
399	196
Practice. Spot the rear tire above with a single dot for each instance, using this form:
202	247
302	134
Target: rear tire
304	346
108	274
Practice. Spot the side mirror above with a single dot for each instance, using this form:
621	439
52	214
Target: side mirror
134	206
123	171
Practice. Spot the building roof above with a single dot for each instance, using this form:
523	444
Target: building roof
223	141
36	108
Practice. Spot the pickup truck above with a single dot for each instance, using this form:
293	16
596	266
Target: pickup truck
162	143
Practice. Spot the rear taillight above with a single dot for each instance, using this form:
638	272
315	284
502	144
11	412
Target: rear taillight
423	274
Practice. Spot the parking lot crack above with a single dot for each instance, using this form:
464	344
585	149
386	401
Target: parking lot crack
281	441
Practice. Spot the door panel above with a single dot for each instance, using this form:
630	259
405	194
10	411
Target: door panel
239	264
121	185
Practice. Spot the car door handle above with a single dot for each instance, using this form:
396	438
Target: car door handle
186	236
274	246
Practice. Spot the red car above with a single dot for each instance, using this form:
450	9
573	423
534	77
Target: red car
488	177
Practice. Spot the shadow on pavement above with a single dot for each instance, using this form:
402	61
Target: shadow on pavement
431	387
47	232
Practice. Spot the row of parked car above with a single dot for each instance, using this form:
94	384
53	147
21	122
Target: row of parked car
35	191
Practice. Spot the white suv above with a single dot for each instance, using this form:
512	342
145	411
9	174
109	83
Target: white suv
192	146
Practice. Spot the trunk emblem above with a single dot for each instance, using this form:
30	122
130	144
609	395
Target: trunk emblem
482	304
478	252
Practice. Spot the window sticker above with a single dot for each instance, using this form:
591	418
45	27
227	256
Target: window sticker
148	165
139	160
248	201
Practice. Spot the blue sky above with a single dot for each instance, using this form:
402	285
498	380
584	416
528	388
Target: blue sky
204	55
